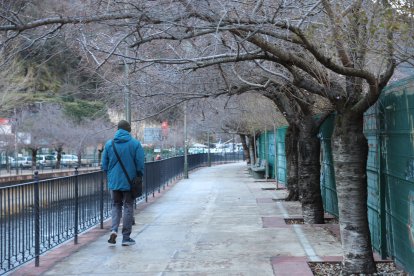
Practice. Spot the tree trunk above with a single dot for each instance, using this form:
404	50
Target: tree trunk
291	149
79	164
59	150
350	151
251	150
100	151
309	174
34	161
245	147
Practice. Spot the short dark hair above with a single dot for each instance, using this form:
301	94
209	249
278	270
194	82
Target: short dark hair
125	125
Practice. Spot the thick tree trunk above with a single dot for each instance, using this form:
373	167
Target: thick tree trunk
291	149
309	175
350	150
251	150
245	147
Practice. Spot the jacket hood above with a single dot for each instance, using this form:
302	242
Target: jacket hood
122	136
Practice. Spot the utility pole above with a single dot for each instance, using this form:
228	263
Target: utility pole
15	142
127	94
276	157
208	152
185	143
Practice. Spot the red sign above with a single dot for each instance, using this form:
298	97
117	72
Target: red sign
164	127
4	121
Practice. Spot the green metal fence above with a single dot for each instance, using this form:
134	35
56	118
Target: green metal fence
389	129
396	166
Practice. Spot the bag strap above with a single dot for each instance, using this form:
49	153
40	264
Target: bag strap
120	163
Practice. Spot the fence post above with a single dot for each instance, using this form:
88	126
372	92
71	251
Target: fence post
37	218
102	200
76	205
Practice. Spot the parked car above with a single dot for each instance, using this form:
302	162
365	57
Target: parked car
4	162
69	160
86	162
23	162
43	161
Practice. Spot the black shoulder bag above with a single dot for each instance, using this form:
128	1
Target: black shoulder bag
136	183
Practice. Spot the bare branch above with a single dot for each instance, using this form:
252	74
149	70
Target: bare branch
307	13
66	20
335	21
263	86
351	7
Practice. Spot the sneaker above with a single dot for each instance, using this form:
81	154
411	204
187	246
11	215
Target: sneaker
112	238
128	242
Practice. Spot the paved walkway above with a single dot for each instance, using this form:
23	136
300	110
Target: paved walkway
220	221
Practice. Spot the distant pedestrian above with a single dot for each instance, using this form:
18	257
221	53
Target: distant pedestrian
132	156
158	157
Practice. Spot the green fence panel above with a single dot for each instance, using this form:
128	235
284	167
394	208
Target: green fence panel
272	153
260	144
281	169
375	214
397	169
266	150
328	185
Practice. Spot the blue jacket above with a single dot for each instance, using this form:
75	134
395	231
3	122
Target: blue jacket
132	155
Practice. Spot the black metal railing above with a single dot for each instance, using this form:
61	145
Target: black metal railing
39	215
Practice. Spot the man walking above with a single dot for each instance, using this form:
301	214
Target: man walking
131	155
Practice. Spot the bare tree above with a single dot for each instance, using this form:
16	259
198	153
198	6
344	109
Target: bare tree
35	123
351	77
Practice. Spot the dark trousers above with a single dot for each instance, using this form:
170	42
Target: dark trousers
122	199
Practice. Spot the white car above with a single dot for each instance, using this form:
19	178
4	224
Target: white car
43	161
23	162
69	160
3	161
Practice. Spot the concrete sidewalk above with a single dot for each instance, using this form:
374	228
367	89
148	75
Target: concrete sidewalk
220	221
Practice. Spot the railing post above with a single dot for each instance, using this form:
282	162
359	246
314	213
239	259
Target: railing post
101	199
208	151
76	205
37	218
185	143
158	164
144	178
